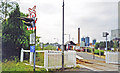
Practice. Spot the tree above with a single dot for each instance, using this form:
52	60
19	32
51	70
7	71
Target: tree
96	45
110	44
102	44
118	44
37	39
6	7
115	44
14	34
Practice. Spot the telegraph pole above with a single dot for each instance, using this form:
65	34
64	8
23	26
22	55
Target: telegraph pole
63	39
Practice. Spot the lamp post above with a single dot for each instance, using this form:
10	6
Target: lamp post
69	36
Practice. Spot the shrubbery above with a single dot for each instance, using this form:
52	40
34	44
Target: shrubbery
97	52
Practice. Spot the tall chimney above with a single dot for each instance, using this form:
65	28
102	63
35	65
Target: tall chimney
78	36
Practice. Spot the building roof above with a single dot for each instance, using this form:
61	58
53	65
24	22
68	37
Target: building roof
70	42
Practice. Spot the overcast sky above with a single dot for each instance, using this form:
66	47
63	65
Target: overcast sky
92	17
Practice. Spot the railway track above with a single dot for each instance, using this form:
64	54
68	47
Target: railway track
97	65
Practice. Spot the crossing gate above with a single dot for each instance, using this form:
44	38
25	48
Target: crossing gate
53	59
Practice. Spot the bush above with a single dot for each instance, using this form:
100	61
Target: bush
89	50
96	51
102	52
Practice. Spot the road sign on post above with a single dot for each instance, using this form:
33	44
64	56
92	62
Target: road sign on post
32	48
32	38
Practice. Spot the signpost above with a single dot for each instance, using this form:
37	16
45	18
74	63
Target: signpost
30	21
33	35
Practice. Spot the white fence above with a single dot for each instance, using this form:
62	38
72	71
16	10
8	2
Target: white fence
53	59
113	57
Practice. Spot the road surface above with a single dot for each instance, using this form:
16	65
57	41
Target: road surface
87	56
97	64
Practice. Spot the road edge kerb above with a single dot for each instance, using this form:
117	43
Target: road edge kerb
96	55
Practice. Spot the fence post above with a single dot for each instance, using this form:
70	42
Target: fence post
22	54
75	58
31	57
106	57
46	60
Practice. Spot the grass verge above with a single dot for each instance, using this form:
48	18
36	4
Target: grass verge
18	66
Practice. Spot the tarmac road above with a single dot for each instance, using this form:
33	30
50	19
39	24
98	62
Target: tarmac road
87	56
97	64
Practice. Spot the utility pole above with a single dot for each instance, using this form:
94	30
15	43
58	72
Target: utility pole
63	39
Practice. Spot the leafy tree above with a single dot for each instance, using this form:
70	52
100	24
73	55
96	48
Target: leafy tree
15	35
102	44
37	39
115	44
110	44
6	7
96	45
